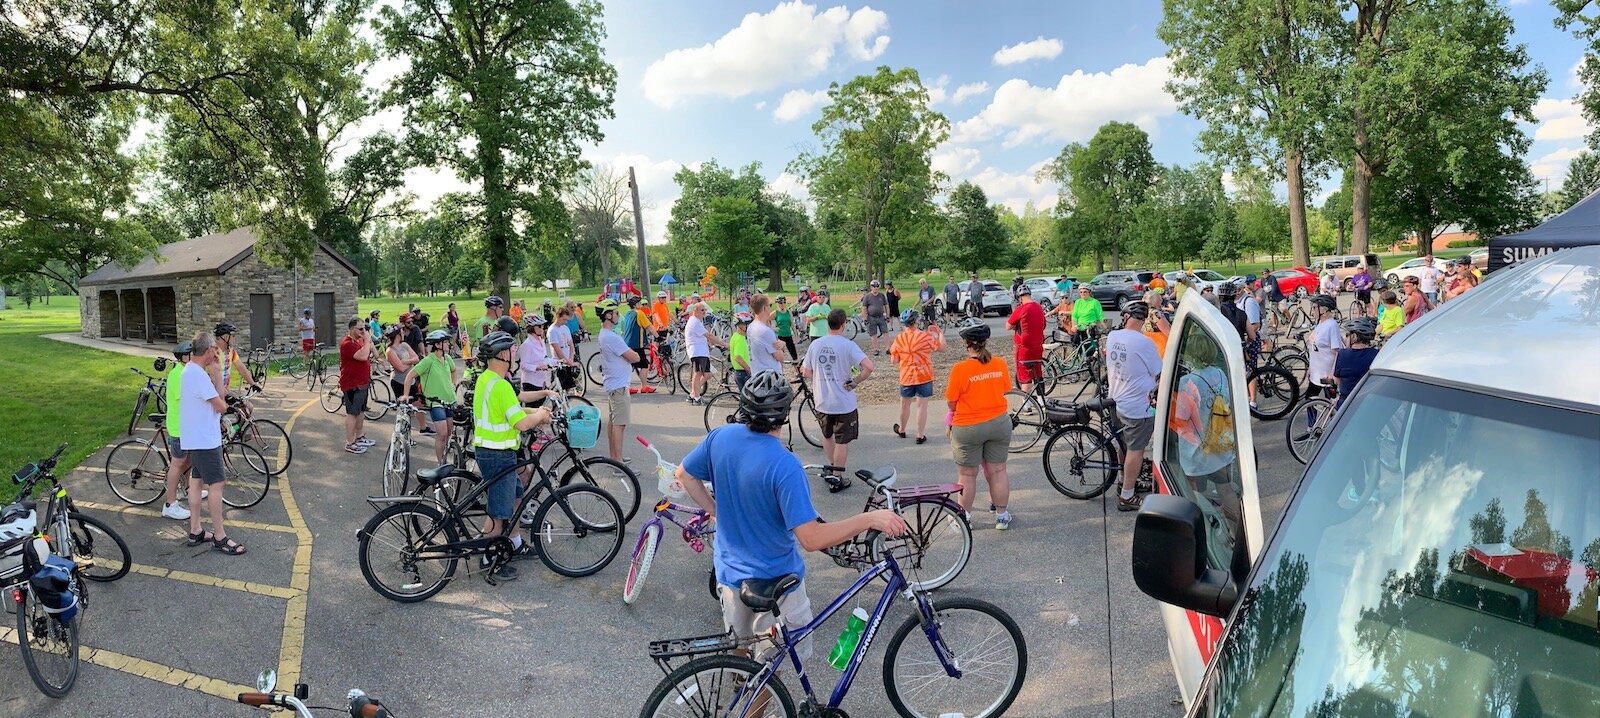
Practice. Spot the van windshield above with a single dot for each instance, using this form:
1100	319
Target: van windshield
1440	559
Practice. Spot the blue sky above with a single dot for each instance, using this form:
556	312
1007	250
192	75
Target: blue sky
741	82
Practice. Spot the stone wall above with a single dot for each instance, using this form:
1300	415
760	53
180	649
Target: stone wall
89	312
253	276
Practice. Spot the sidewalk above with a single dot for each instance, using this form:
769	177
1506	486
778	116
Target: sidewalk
138	350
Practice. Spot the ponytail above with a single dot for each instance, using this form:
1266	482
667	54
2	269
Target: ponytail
981	349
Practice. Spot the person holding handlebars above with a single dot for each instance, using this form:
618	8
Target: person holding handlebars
498	420
436	375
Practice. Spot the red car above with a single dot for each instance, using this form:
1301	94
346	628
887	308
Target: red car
1298	278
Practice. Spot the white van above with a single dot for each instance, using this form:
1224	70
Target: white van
1440	556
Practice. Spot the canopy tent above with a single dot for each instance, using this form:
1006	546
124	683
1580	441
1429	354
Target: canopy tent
668	278
1578	226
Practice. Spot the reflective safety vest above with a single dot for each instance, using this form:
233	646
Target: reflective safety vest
495	413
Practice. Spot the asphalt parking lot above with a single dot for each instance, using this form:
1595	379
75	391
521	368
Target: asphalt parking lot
190	627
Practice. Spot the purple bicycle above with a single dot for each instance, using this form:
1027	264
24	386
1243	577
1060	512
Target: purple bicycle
697	530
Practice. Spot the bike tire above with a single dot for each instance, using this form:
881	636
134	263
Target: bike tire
589	517
610	476
243	486
684	692
379	397
136	471
1027	420
272	440
139	406
851	330
723	409
593	370
1306	426
409	521
93	539
950	625
1065	455
332	399
810	425
296	366
396	462
1276	393
932	523
644	553
37	632
684	376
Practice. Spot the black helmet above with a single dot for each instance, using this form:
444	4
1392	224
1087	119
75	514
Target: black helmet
184	348
1325	301
507	325
633	300
224	328
1136	309
438	335
1364	328
1227	290
493	301
767	398
978	332
493	344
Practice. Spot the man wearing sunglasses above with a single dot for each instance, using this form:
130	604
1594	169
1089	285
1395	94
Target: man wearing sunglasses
355	378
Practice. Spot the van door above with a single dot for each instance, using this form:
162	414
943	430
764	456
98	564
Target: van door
1202	421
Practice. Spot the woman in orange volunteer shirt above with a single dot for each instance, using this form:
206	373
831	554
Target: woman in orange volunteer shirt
913	351
979	428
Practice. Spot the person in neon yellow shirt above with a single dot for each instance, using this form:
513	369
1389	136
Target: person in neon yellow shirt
1391	317
739	349
1086	312
170	507
498	420
437	374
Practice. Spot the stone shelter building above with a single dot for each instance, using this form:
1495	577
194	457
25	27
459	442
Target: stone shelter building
194	284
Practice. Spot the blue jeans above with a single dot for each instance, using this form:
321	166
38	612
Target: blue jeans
740	376
504	491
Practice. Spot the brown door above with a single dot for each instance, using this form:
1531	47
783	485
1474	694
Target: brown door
322	311
260	320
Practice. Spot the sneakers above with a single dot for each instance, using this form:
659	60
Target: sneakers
647	389
506	572
836	483
1003	521
364	441
692	401
356	448
175	511
1130	504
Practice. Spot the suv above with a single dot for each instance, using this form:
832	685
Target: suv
995	297
1345	267
1440	555
1119	287
1044	291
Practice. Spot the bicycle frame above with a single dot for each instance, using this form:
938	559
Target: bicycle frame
664	513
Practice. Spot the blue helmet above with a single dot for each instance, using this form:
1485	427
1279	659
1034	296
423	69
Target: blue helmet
909	317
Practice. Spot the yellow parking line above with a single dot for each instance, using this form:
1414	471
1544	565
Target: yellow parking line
292	649
263	589
151	670
138	511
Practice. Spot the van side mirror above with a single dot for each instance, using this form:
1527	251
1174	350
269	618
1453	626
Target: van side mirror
1169	558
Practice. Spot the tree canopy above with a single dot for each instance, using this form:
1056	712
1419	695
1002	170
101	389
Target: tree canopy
1102	186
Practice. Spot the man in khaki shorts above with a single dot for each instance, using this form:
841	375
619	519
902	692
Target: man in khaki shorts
616	365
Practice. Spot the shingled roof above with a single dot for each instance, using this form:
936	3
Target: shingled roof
209	254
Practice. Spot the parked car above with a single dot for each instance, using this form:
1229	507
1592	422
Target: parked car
1202	278
1413	266
1345	267
995	297
1480	258
1119	287
1044	291
1417	569
1296	281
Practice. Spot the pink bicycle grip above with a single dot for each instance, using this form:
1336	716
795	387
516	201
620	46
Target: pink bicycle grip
641	439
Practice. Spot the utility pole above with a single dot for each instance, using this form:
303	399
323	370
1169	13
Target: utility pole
638	233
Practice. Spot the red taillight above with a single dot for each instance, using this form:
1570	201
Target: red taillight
16	595
1137	287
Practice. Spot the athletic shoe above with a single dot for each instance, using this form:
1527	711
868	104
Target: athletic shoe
1003	521
364	441
692	401
836	483
356	448
506	573
175	511
1131	504
647	390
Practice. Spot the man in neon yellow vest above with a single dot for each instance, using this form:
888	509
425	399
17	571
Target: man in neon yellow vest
498	420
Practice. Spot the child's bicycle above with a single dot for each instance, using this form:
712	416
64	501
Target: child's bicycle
697	530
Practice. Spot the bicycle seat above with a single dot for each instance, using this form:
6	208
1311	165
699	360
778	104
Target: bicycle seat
1102	403
761	594
1052	346
429	477
156	418
882	477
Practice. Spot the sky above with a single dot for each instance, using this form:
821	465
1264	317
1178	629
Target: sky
743	82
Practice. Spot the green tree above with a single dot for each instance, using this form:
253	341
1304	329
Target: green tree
731	236
783	218
1224	240
1103	185
874	173
1175	220
1260	74
1583	179
1586	28
505	93
977	237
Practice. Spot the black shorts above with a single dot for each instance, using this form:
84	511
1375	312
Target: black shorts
842	428
644	357
701	364
206	464
1364	296
532	387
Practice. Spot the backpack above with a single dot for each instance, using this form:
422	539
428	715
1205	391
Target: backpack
630	328
1236	317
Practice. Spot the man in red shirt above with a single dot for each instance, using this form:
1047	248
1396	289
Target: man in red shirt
1027	331
355	376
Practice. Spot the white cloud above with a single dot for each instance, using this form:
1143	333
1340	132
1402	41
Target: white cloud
762	105
657	191
791	185
939	92
1574	81
1075	107
1559	120
792	43
971	89
956	161
796	104
1553	166
1037	49
1017	190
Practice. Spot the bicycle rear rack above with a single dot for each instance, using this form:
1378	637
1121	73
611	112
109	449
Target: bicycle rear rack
665	651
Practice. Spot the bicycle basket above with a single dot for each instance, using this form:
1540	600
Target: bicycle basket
583	426
1065	413
667	480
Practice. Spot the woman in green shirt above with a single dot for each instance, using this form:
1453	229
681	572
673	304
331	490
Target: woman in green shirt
437	373
817	316
1086	313
784	324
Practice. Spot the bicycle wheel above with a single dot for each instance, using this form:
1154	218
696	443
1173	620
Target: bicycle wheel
1276	392
332	399
1027	420
243	485
1080	463
389	548
578	530
975	635
713	687
49	647
684	376
943	539
1306	426
397	462
593	369
379	397
272	440
107	553
723	409
1293	362
610	476
644	552
851	329
810	426
295	366
137	471
138	410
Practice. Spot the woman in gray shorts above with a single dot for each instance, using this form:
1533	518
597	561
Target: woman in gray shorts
980	428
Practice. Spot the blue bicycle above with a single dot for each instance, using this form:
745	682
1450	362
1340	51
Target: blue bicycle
971	664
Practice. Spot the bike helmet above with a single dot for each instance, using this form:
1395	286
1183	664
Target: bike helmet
633	300
978	332
307	310
1379	285
603	306
1227	290
909	317
1325	301
1024	290
224	328
493	344
1136	309
438	335
493	301
507	325
662	294
547	301
767	398
184	348
743	318
1364	328
533	320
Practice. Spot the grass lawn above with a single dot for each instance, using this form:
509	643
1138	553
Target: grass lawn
53	392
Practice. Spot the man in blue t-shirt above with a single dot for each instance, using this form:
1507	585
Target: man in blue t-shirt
765	515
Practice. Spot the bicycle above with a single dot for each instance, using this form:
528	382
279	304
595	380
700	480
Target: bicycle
930	512
1063	366
720	376
1306	426
423	532
73	535
1277	391
1093	460
397	461
697	531
379	395
360	704
602	472
269	438
966	638
298	366
724	408
136	470
156	386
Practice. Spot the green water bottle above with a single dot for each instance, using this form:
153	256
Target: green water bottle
846	646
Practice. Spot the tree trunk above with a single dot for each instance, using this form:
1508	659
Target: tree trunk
775	273
871	237
497	212
1099	262
1360	199
1116	255
1299	238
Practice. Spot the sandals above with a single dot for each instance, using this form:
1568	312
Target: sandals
898	432
227	545
199	538
922	440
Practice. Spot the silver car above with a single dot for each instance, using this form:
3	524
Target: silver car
996	298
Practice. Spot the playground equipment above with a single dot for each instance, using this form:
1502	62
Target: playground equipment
708	283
